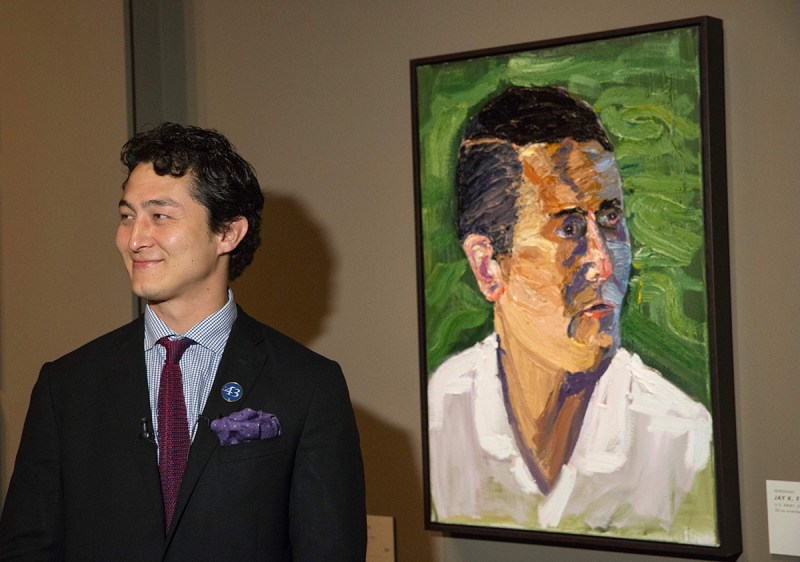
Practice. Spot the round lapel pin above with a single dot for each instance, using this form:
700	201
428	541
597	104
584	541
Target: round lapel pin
231	391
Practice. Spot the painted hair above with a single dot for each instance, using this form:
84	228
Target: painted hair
489	171
221	181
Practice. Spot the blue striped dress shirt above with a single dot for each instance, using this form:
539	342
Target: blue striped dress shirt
198	364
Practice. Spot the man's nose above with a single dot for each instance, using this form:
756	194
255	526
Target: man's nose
140	236
598	258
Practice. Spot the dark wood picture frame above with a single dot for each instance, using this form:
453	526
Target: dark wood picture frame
648	84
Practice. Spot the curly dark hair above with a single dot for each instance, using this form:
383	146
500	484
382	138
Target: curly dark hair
222	181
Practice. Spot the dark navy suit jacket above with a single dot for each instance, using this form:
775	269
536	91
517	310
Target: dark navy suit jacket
86	484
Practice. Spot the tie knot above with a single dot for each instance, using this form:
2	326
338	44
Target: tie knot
175	348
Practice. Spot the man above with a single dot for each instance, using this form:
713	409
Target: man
249	452
548	422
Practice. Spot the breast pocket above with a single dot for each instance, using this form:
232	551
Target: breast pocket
252	449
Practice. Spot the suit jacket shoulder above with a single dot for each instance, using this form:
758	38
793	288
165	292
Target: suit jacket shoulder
125	339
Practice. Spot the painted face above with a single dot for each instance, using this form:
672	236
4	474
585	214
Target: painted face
165	242
565	279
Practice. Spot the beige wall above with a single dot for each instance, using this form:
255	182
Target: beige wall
63	118
316	95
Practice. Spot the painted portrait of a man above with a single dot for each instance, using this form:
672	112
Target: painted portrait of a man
548	422
575	353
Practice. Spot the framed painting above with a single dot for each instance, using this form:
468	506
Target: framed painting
574	299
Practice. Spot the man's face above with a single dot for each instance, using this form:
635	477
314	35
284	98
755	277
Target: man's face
565	278
165	242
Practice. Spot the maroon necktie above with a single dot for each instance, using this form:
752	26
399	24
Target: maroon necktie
173	429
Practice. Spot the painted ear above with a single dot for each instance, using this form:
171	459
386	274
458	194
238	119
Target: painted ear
485	268
233	234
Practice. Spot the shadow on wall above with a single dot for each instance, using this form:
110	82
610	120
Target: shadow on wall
288	285
394	485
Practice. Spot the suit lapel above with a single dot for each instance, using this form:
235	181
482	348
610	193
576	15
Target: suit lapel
242	362
129	394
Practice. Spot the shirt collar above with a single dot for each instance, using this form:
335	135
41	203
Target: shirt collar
211	332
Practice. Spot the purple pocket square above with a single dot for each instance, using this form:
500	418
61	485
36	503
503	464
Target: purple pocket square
245	425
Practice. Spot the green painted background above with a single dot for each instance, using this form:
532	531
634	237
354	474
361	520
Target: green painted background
646	89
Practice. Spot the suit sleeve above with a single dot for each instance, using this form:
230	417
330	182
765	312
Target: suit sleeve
327	503
31	526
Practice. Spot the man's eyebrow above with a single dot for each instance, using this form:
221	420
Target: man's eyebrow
568	211
152	203
615	203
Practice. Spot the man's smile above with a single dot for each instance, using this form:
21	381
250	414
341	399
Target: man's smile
144	264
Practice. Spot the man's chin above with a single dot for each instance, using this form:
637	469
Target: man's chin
148	294
599	334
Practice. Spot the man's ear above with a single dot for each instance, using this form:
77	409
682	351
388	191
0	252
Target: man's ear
485	268
232	235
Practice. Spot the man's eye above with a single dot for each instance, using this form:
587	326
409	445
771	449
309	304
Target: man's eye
124	217
609	218
572	227
159	216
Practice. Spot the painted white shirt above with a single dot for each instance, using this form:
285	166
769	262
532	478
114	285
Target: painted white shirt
641	444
